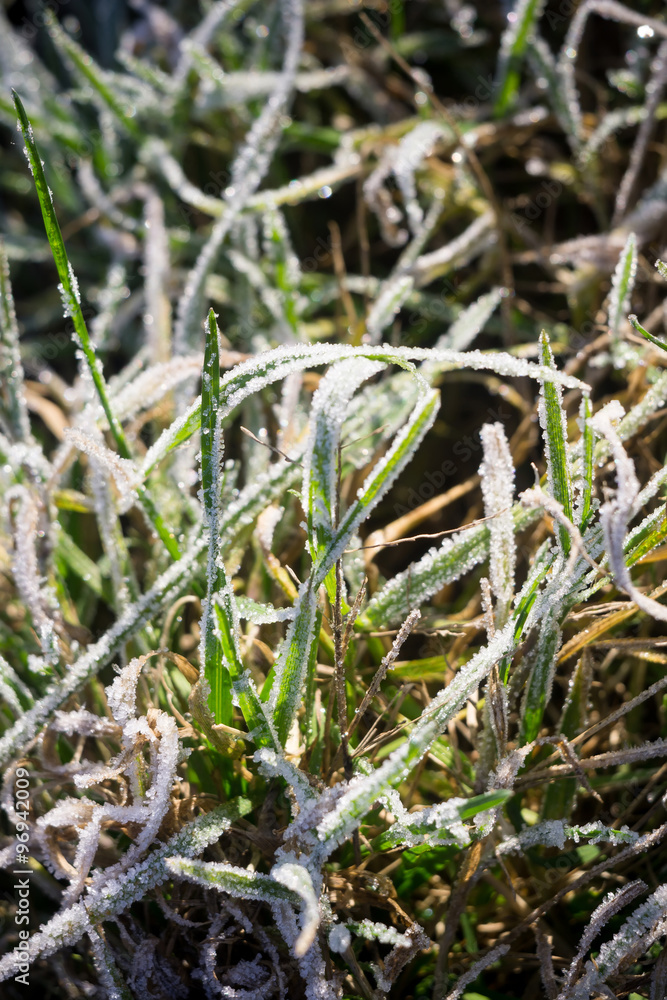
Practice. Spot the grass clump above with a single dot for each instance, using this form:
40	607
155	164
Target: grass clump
299	654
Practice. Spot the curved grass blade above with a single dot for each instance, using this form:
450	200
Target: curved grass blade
320	474
649	336
586	481
89	72
559	797
238	882
540	681
68	926
274	365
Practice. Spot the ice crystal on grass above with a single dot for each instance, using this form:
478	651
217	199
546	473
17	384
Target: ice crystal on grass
497	476
36	594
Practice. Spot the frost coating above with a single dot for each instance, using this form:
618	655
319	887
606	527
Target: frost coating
497	476
616	512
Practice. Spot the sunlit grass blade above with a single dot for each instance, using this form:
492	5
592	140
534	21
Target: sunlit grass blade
470	322
213	654
320	475
90	73
440	824
554	428
521	25
226	632
379	481
497	475
72	305
622	284
274	365
238	882
291	665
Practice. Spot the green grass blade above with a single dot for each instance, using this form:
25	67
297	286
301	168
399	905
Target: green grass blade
214	650
543	65
379	481
512	49
320	476
259	730
649	336
622	284
71	301
554	428
431	823
240	883
194	838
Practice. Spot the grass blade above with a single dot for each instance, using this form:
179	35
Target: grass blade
213	656
272	366
72	305
513	46
15	412
291	665
554	427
